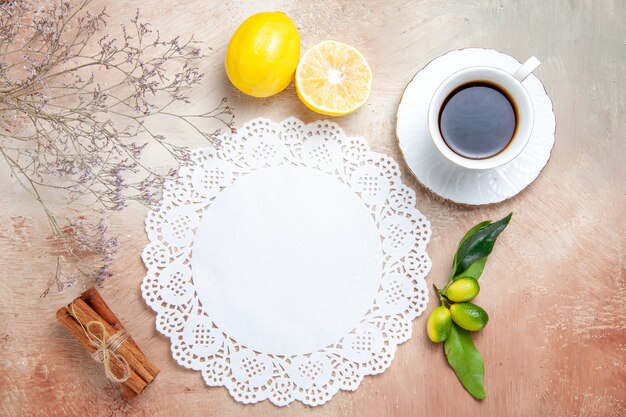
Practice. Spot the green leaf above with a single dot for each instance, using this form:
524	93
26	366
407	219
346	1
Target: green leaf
474	230
466	361
474	271
469	233
479	244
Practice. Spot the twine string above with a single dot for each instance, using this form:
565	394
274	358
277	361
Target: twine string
106	348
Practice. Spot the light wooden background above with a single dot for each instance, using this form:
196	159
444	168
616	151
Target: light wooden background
554	288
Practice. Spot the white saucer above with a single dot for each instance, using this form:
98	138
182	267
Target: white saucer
461	185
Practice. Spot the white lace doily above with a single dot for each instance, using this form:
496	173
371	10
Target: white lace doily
287	264
448	180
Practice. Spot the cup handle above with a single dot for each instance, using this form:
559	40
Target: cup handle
526	68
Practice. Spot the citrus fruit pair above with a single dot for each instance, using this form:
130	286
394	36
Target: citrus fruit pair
332	78
466	315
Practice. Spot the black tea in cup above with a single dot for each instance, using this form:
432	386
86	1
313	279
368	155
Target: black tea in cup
477	120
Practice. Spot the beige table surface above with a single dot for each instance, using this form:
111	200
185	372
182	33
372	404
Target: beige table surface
554	287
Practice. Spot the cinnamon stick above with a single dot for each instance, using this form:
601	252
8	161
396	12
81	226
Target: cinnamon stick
92	298
135	383
85	314
91	307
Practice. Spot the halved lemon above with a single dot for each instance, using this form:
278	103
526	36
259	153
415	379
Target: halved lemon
333	78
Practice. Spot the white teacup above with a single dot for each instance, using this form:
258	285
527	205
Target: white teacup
511	84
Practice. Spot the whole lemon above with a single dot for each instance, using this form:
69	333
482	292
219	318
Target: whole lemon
439	324
469	316
263	54
463	289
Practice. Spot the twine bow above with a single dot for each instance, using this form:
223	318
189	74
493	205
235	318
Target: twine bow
106	348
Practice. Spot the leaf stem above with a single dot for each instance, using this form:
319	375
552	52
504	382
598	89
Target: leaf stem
450	281
442	297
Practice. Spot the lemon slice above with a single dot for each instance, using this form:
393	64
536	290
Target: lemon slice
333	78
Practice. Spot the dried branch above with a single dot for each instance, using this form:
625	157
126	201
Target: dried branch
63	128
